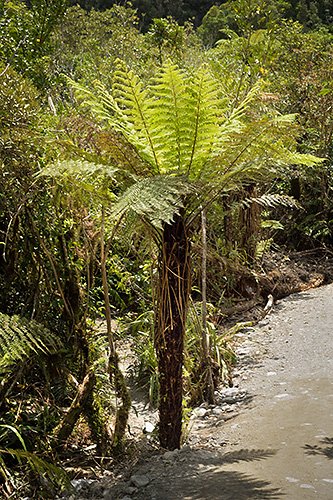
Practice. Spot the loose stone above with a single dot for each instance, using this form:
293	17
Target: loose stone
140	481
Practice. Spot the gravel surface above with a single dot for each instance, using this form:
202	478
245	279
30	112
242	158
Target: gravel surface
268	437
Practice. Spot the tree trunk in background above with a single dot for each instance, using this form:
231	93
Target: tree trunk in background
228	223
206	359
172	296
66	426
249	224
295	188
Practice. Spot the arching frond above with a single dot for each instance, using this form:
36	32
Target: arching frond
257	149
158	198
126	109
271	200
135	114
169	91
19	337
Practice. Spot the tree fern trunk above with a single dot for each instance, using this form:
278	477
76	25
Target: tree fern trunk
173	296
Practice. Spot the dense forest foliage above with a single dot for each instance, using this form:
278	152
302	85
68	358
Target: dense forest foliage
312	14
150	154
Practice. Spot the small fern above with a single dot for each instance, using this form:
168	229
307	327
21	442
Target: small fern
53	474
19	337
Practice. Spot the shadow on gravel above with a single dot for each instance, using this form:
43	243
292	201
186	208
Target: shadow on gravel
231	486
245	455
194	482
295	297
326	448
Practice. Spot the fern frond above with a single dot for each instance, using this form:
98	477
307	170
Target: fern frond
83	178
81	168
136	114
101	103
186	109
19	337
203	115
254	94
126	110
158	198
56	475
169	91
259	149
307	160
273	200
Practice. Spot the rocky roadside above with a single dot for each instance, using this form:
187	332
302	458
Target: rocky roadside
203	448
293	339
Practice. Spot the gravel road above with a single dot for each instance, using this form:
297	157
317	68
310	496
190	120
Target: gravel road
270	436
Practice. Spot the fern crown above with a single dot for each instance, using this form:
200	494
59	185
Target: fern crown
189	138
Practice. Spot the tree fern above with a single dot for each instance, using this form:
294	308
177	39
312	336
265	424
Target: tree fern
181	128
179	125
20	337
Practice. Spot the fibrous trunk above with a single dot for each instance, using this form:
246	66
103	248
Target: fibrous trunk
173	296
249	221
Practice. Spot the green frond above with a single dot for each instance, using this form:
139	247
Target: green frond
19	337
80	91
81	176
256	149
205	107
99	101
55	475
233	126
126	110
307	160
136	109
273	200
78	168
254	94
158	198
186	117
169	91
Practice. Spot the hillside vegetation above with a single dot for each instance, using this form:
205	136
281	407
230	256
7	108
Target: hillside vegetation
164	169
